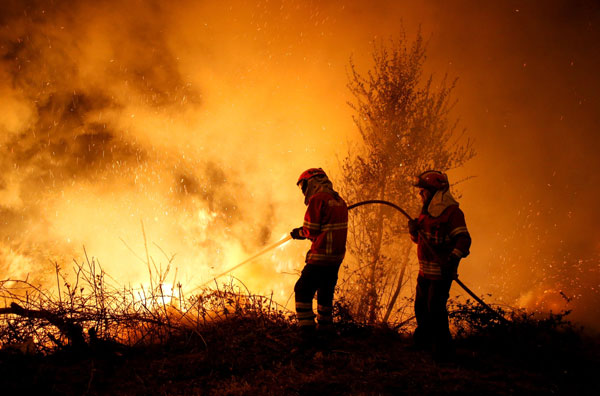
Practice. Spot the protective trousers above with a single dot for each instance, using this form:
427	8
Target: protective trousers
432	316
320	279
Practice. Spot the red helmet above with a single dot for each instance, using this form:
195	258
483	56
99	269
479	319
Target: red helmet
307	174
432	180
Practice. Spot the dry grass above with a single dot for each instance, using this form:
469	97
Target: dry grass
89	306
93	337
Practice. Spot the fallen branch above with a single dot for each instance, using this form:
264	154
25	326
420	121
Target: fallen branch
68	328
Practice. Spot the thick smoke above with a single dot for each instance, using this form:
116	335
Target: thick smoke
195	118
89	151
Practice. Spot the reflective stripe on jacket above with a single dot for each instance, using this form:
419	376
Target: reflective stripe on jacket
326	225
446	235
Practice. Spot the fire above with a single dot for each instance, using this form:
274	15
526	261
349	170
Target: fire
548	300
170	136
126	161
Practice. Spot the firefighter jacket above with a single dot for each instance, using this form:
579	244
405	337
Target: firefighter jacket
326	225
442	233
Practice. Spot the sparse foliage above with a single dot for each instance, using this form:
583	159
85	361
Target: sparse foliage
88	308
405	124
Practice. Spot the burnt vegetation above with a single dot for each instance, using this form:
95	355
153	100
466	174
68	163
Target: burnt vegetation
91	337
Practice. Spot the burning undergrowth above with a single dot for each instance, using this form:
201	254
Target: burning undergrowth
93	337
89	306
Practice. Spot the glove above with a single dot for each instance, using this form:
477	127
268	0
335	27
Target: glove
413	226
296	233
449	270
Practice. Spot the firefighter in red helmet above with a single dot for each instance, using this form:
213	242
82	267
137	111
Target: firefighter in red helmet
326	226
442	241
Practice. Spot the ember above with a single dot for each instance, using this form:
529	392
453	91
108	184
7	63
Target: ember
195	120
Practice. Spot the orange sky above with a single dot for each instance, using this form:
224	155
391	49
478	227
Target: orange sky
196	118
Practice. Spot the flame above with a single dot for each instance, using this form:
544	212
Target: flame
170	136
548	300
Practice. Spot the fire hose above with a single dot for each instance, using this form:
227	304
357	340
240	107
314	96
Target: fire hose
350	207
458	281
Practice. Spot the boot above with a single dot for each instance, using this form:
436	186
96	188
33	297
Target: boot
325	335
421	339
308	336
443	351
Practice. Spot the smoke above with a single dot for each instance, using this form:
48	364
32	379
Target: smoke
527	93
101	146
195	118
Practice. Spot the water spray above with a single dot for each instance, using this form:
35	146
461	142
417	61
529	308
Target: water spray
265	250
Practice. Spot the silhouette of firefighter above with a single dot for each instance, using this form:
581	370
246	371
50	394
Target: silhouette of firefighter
442	241
326	225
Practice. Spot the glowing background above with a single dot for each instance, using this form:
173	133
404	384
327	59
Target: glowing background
196	118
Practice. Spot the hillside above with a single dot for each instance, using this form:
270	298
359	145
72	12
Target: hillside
259	355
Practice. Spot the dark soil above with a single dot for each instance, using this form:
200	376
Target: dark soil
255	356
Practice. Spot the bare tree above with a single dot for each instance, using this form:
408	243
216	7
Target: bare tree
405	124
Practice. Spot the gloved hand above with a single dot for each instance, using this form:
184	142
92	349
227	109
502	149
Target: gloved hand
296	233
413	226
450	269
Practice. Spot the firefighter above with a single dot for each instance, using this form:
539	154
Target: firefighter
442	239
326	226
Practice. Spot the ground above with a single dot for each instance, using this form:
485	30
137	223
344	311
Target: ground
258	356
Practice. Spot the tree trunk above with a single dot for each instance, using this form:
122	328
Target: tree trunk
398	285
373	296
